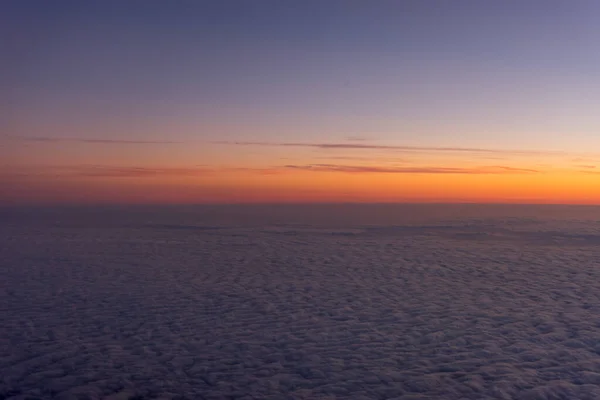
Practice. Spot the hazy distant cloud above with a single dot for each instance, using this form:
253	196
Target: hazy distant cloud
148	172
107	171
360	146
48	139
355	158
132	172
357	139
588	159
142	172
361	169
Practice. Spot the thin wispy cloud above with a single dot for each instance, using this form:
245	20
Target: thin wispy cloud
356	158
362	146
149	172
141	172
361	169
102	171
136	172
357	139
47	139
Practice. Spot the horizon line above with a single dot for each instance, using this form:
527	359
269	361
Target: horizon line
305	203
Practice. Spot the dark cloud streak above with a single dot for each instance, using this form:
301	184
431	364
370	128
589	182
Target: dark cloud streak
100	171
46	139
411	170
360	146
107	171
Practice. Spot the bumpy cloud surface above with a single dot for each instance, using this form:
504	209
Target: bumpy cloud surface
202	303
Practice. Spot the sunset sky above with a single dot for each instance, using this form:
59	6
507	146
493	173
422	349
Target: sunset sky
225	101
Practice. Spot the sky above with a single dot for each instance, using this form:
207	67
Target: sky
272	101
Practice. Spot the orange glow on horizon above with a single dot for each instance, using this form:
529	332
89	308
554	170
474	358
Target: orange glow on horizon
301	186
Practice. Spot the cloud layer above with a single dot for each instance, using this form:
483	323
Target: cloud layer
360	303
361	169
360	146
48	139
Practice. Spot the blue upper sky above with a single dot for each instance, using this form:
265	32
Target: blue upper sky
504	74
